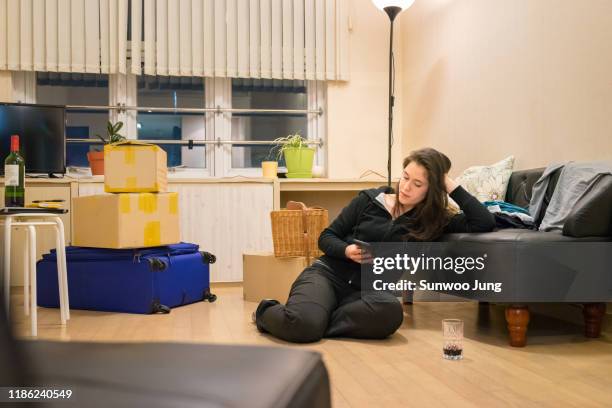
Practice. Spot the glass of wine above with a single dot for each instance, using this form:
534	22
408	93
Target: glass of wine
452	329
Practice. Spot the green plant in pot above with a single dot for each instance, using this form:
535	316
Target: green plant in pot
298	156
269	165
96	157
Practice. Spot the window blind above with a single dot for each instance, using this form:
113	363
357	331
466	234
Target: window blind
270	39
276	39
88	36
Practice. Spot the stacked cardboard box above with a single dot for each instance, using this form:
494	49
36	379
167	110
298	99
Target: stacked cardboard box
268	277
271	275
133	167
139	212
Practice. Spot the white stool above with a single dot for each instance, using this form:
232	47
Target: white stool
30	221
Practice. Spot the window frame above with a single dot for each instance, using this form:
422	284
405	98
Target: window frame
315	96
123	89
179	172
25	90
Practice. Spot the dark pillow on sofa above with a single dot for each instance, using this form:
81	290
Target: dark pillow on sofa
592	214
550	189
520	185
520	189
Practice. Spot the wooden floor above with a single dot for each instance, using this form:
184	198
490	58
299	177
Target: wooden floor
558	368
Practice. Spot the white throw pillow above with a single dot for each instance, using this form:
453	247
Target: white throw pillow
488	183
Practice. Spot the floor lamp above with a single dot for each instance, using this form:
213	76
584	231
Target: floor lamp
392	8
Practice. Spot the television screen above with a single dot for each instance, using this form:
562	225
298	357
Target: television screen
42	139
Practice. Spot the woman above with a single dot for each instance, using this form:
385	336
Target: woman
326	299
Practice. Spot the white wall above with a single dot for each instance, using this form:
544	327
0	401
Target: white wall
483	79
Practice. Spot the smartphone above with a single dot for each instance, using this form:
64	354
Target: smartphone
362	244
366	250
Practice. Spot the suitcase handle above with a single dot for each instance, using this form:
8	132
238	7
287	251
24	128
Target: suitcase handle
157	265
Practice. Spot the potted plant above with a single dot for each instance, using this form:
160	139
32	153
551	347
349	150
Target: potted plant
298	156
96	157
269	167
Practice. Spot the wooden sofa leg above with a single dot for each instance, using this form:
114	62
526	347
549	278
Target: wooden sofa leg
407	297
593	316
517	317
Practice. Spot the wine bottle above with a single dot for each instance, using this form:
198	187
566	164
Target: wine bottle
14	176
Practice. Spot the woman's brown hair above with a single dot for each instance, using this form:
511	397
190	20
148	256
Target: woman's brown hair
428	218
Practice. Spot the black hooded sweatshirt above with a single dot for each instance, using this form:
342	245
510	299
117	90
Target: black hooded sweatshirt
366	219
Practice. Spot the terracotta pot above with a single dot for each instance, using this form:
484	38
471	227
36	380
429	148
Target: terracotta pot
96	162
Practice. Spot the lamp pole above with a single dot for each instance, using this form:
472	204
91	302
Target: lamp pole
392	8
392	12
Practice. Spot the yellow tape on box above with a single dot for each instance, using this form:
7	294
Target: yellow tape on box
134	167
127	220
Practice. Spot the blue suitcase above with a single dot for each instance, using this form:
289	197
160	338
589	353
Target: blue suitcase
147	280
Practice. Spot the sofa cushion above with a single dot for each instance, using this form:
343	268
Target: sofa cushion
536	266
487	182
519	235
592	214
181	375
520	186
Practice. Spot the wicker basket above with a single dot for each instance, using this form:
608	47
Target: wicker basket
296	232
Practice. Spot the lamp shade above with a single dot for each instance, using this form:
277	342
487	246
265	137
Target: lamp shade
402	4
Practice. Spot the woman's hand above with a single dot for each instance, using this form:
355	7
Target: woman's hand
357	254
450	184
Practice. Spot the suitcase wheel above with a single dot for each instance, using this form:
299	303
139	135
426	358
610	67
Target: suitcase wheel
209	258
159	308
211	297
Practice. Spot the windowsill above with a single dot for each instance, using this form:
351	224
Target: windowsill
202	178
181	178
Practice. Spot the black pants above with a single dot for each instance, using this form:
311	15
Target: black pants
322	304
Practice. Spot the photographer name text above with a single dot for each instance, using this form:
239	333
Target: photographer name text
423	284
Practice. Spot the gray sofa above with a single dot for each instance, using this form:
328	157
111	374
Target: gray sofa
534	276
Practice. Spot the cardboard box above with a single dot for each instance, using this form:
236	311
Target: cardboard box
268	277
129	220
133	167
